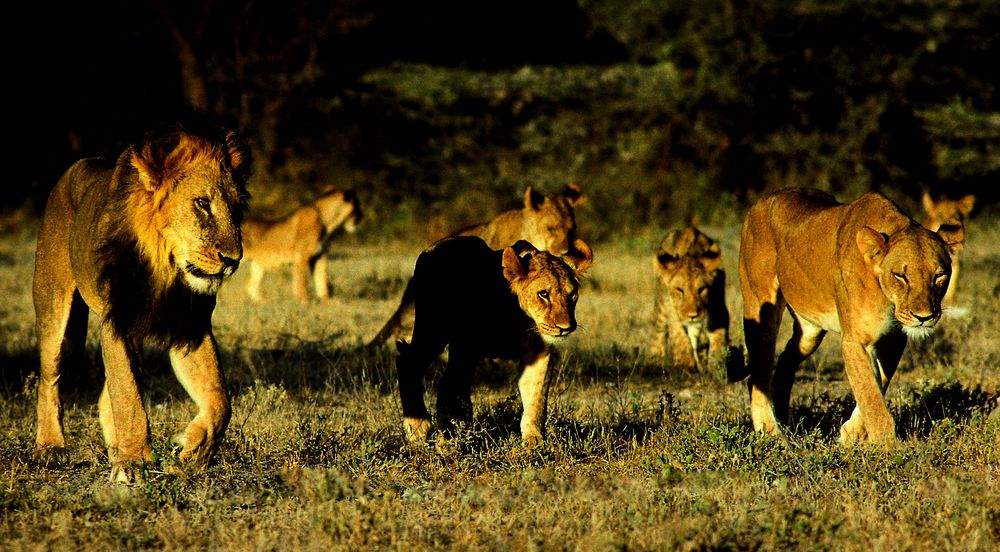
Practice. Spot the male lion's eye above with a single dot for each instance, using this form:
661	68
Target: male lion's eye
900	277
543	295
940	279
203	203
679	291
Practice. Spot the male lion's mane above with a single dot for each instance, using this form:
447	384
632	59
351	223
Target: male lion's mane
145	297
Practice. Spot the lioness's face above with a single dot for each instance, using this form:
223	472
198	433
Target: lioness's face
548	294
914	275
550	225
688	284
340	207
200	221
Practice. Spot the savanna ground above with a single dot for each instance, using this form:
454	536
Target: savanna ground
637	456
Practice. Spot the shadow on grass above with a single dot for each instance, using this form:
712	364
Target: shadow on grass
920	411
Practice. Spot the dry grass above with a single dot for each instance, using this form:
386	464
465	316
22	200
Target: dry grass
637	457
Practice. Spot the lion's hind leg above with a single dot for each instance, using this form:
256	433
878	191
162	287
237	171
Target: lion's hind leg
411	365
62	332
762	311
806	338
454	397
198	371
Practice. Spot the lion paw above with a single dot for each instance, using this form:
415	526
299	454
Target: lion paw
51	455
417	429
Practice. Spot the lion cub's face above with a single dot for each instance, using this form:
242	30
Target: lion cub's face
688	263
198	218
913	267
546	286
688	282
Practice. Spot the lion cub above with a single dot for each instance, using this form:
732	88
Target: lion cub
300	239
946	211
481	303
690	300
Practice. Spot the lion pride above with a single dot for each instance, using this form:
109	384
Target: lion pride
144	241
863	269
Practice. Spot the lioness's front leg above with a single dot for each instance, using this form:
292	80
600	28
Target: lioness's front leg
198	371
865	378
533	386
886	357
123	419
319	277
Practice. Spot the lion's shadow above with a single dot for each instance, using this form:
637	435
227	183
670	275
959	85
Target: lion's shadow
916	415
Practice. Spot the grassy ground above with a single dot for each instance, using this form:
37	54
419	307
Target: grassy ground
637	456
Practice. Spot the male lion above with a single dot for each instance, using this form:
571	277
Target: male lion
145	241
300	239
484	303
946	211
863	269
690	300
547	222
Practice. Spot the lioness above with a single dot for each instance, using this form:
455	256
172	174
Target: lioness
947	211
690	300
863	269
547	222
145	241
300	239
484	303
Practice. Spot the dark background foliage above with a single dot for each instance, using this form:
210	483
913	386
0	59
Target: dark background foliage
443	111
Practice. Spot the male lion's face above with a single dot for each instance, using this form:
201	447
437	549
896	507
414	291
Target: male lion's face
913	267
199	220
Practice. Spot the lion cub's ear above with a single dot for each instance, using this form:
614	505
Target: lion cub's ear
513	266
872	244
580	257
666	260
711	259
573	194
953	234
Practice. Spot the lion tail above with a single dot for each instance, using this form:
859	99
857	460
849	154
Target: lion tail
396	322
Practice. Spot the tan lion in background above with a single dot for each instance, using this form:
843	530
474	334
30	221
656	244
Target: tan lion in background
691	313
145	242
513	303
947	211
863	269
299	239
548	222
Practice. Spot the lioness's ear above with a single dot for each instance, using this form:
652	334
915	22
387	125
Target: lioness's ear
580	257
524	247
533	199
573	194
872	244
966	204
711	260
513	268
953	234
